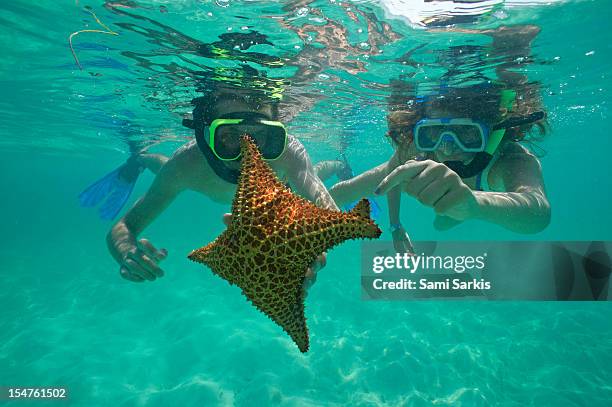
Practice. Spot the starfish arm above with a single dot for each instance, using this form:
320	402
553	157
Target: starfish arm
202	255
280	297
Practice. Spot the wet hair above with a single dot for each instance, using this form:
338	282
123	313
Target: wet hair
205	107
480	102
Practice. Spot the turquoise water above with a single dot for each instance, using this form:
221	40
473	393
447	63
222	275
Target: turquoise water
68	319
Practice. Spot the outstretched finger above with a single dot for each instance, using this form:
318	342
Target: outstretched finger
401	174
125	273
309	280
151	251
320	262
227	219
148	264
134	266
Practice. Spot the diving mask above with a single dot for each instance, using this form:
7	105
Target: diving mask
469	135
270	136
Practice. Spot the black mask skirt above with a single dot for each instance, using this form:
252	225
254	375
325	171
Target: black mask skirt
227	174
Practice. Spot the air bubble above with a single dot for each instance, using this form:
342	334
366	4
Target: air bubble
500	15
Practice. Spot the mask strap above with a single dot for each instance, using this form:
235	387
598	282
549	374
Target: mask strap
506	103
483	158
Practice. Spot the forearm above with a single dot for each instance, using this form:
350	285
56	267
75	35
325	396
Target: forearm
394	199
343	193
522	212
326	201
308	185
122	238
394	196
153	162
358	187
316	191
326	169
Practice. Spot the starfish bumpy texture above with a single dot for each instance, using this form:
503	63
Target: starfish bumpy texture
273	237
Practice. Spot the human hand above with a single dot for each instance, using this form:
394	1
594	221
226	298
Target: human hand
442	223
401	241
434	185
140	263
311	272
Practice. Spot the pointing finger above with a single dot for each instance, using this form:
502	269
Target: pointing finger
400	174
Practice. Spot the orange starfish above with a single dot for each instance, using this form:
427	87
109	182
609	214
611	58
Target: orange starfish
273	238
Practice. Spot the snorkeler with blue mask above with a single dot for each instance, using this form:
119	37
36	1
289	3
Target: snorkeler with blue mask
459	152
469	136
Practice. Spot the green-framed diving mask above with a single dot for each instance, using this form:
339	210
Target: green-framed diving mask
224	135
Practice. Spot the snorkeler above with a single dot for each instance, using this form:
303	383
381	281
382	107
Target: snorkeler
210	165
458	152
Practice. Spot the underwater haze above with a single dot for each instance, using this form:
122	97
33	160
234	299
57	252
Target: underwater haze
70	112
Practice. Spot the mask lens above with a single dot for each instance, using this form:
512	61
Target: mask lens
227	142
428	136
470	136
270	140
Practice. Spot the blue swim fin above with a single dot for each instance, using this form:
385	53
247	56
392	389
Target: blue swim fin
112	190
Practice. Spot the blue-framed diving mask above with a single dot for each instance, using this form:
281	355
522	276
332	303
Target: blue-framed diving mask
469	135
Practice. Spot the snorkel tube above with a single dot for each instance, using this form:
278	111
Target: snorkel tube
483	158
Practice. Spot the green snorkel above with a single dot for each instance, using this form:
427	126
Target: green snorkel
483	158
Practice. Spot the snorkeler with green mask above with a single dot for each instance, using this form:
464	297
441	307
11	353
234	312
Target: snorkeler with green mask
210	165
